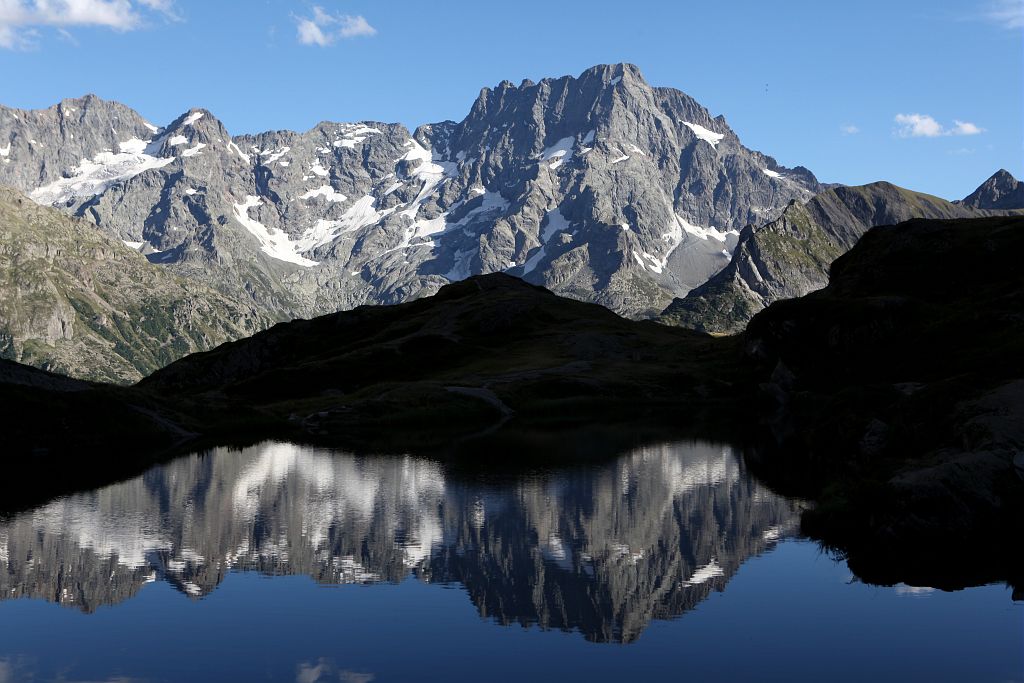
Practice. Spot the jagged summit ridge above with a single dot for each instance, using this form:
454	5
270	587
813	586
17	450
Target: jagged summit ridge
599	187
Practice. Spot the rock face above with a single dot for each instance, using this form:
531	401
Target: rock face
790	256
1001	191
602	550
78	302
600	187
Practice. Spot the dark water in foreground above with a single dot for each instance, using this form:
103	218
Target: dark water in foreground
285	563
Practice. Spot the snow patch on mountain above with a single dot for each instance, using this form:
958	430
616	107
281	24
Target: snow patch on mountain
273	156
192	118
133	146
431	174
556	223
706	233
771	174
325	191
705	134
237	150
704	574
93	176
354	134
361	214
558	152
273	242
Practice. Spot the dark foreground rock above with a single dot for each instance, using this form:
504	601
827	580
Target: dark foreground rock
894	397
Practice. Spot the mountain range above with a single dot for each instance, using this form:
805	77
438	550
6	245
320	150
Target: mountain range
600	187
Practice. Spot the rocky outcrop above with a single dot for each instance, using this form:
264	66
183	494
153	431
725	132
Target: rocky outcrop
1001	191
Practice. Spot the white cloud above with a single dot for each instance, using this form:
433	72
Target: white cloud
849	129
965	128
917	126
1006	13
352	27
325	28
310	34
164	7
924	126
21	19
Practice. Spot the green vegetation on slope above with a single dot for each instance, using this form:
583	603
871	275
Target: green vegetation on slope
790	256
80	303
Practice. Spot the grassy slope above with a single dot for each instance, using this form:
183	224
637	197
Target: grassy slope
78	302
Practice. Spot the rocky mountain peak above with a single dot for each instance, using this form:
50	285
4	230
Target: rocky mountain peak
1001	191
598	186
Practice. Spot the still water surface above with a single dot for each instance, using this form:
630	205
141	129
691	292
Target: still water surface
287	563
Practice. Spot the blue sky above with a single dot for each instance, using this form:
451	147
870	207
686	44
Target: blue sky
811	83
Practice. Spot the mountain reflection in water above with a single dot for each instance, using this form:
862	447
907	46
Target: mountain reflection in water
599	548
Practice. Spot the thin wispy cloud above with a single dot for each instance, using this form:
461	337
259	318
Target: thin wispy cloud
924	126
164	7
849	129
20	20
1008	14
324	28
